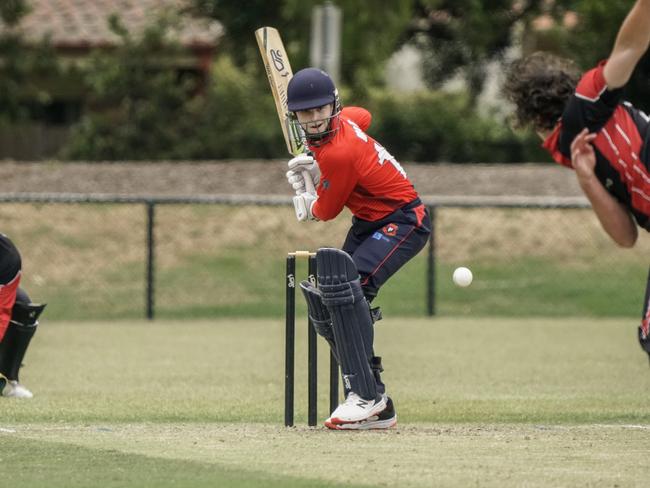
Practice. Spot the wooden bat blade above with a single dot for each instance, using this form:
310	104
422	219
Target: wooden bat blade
278	72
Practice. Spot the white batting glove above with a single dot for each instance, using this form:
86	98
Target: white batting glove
303	205
306	163
297	181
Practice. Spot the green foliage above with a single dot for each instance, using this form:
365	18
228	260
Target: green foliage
437	126
465	35
594	36
22	68
139	108
290	17
370	40
137	101
370	33
237	116
11	11
593	40
590	40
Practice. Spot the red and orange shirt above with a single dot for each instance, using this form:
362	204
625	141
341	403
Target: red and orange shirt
358	173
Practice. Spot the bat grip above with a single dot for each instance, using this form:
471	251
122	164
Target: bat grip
309	184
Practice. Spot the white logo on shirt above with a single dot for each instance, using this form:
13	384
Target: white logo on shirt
384	156
357	130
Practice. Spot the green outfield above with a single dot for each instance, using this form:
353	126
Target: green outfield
481	402
88	262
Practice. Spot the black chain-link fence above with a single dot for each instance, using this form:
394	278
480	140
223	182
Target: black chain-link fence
107	257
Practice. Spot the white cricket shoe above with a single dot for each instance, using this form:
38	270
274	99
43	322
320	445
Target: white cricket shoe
386	419
13	389
355	409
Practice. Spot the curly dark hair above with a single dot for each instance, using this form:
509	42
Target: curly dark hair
540	85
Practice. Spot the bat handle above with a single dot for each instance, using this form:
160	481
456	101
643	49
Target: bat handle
309	184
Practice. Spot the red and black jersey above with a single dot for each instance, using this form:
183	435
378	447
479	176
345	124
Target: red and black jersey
622	145
10	274
358	173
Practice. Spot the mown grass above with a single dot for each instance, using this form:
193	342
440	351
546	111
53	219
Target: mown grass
448	370
67	465
481	401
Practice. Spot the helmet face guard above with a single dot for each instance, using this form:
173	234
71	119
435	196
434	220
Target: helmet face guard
318	138
312	88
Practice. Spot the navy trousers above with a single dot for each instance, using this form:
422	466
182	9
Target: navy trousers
381	248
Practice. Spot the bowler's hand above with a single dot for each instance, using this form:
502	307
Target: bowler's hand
583	156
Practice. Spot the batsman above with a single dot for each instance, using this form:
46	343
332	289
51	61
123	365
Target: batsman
390	225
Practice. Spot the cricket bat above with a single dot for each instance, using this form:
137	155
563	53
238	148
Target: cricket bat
278	71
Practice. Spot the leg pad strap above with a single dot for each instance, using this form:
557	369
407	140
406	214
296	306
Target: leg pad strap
318	313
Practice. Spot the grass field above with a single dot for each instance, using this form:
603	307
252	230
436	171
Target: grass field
481	402
88	262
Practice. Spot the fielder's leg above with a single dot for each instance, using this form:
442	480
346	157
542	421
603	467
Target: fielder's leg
19	333
352	325
644	328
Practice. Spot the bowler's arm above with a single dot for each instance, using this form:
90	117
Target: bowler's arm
631	43
613	216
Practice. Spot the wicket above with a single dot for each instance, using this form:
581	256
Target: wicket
312	349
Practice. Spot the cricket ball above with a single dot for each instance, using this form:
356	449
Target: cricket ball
462	277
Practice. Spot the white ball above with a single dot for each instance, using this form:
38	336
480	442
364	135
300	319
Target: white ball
462	277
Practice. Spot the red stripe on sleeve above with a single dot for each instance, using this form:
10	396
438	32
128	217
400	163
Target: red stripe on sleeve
592	83
620	142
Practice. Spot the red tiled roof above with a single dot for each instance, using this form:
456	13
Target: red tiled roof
84	23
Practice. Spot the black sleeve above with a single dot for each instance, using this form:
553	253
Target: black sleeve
582	112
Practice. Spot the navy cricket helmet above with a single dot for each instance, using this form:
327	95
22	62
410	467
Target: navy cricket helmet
310	88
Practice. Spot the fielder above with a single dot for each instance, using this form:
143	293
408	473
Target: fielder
18	321
586	125
390	225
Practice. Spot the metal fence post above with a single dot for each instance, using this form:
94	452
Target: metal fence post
150	260
431	266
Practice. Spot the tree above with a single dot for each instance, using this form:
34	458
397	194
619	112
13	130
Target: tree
21	67
11	11
465	35
593	38
370	33
137	104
